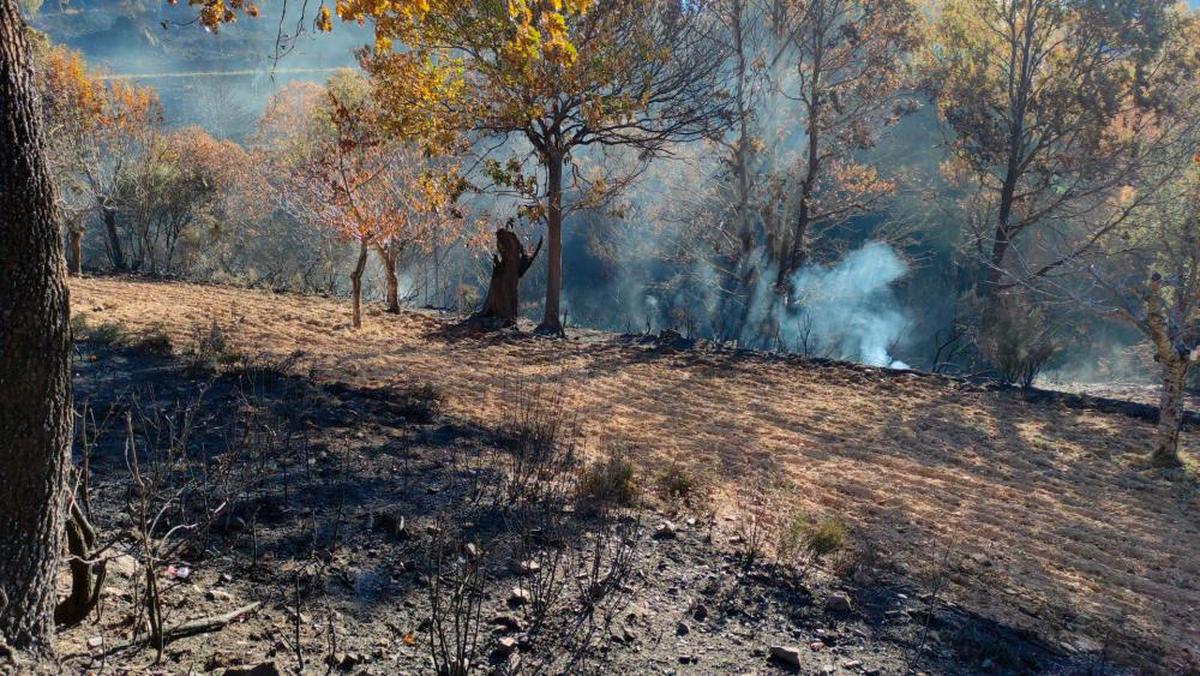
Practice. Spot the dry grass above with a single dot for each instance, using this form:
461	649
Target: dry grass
1080	538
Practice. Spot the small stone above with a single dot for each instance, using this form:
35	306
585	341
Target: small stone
828	669
851	664
665	531
95	641
218	595
787	655
528	567
838	602
508	622
622	633
519	596
817	646
472	550
506	646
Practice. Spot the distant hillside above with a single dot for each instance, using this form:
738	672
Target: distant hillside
186	63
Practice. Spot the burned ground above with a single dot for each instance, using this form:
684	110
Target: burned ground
1028	518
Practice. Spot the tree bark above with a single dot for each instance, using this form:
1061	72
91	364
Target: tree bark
75	236
388	257
116	254
35	376
552	318
1170	413
503	297
356	283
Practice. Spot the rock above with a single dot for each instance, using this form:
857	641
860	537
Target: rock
472	550
391	522
218	595
817	646
123	565
828	669
665	531
506	646
263	669
528	567
700	612
787	655
682	629
508	622
622	633
519	596
344	662
838	602
95	641
981	559
851	664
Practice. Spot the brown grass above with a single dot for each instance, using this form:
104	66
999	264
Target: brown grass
1081	538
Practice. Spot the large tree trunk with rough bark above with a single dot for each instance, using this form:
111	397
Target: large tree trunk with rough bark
1170	412
503	297
35	376
356	283
552	318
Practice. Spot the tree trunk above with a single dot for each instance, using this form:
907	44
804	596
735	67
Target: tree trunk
388	258
503	297
551	319
1170	413
356	283
76	241
115	252
35	376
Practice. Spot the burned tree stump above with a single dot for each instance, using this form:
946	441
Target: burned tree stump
508	267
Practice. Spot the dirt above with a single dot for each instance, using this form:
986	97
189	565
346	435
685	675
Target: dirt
1051	544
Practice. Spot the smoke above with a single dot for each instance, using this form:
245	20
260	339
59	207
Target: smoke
848	310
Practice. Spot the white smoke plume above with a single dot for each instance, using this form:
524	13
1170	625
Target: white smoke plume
848	310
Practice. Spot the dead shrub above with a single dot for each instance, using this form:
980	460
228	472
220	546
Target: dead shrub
538	437
456	589
208	346
757	504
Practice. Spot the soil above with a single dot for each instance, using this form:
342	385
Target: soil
989	531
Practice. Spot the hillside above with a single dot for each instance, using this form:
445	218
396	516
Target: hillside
1035	515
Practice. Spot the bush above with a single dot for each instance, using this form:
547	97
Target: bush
804	540
1019	339
208	346
677	485
107	333
608	483
153	341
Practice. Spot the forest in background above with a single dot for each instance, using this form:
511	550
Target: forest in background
841	198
